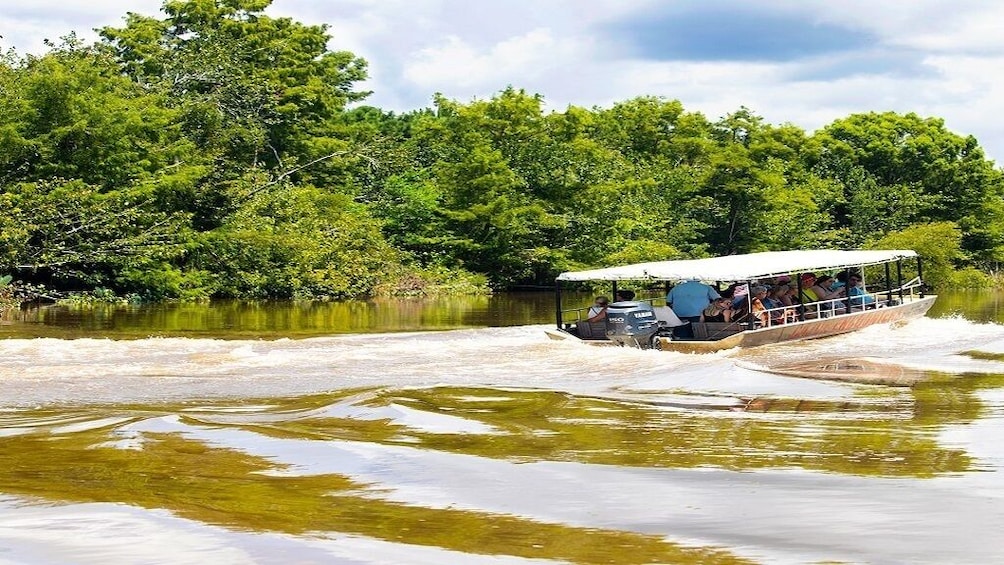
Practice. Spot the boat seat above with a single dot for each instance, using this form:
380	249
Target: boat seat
591	330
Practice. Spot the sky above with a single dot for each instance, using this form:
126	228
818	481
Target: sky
804	62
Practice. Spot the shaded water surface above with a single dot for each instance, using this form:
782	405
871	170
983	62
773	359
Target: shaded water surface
280	319
274	319
479	444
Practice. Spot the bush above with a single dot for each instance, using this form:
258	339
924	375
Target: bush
434	280
973	278
939	245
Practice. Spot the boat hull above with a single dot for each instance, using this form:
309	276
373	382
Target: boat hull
809	329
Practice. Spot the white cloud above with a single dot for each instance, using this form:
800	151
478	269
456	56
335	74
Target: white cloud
933	57
979	31
456	63
25	25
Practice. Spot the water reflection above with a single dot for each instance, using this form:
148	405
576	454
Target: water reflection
891	435
975	305
387	463
274	319
269	320
870	438
182	459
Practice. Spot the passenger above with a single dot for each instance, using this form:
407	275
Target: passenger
823	288
625	295
598	311
820	290
734	292
739	295
778	297
841	281
753	309
808	295
730	290
770	301
786	294
718	311
857	297
688	299
758	294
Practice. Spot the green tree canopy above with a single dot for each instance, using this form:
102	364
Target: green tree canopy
215	150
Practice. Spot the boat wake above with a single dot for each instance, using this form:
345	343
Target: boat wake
379	448
39	371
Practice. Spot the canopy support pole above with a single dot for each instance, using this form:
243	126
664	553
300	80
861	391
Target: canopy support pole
798	284
557	303
888	284
899	278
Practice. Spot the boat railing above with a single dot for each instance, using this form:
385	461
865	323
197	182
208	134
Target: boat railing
786	314
844	305
574	315
797	312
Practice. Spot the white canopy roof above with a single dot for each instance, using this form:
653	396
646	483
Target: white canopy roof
740	267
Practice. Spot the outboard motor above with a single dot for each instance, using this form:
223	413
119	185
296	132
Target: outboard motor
631	323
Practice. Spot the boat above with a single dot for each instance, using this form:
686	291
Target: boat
649	323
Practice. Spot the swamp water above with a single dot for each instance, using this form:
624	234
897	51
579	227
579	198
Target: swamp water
205	434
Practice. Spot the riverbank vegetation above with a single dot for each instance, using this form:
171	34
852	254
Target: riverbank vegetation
220	152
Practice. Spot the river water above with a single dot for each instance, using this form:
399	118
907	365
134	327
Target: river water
351	433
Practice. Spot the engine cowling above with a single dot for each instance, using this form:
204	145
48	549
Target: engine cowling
632	323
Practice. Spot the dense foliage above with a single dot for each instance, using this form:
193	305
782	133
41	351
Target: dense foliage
220	152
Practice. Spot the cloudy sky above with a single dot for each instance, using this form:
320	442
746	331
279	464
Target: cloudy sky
807	62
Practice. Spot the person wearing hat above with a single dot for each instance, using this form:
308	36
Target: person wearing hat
807	295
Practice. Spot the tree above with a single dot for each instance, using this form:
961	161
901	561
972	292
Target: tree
297	242
131	162
939	245
899	170
254	92
77	234
71	115
82	152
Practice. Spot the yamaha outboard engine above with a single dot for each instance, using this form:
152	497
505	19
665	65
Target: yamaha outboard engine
631	323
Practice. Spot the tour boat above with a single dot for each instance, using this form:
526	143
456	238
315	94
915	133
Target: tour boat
649	323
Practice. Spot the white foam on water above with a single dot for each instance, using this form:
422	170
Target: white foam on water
37	371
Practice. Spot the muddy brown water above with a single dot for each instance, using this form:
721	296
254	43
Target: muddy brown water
454	431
